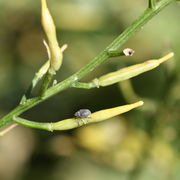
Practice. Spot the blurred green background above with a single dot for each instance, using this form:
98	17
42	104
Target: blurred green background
140	145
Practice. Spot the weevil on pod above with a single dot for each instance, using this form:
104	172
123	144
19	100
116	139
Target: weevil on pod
81	114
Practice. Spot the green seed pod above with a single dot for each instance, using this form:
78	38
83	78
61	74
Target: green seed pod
131	71
56	55
56	59
94	117
47	21
74	122
109	113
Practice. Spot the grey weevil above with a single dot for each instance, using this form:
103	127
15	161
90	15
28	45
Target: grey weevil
82	113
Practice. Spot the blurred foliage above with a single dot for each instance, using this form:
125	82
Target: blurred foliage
141	145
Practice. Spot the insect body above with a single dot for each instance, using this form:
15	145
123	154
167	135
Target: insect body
82	113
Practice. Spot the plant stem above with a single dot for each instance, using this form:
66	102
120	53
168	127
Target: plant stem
47	80
82	85
38	125
152	4
37	77
102	57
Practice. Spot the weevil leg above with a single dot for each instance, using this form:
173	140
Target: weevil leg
82	121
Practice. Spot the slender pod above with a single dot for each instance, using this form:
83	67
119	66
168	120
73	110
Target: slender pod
96	116
50	30
131	71
109	113
71	123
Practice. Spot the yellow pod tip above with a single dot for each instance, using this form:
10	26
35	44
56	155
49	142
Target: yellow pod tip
44	4
139	103
165	58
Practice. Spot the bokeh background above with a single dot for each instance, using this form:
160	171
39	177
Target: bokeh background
140	145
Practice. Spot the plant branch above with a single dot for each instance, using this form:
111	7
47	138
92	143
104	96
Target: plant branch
47	80
84	85
102	57
37	77
75	122
123	74
152	4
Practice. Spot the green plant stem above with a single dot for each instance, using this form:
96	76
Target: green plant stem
38	125
83	85
102	57
115	53
152	4
37	77
27	94
47	80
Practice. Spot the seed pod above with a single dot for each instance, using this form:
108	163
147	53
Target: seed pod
94	117
131	71
47	21
109	113
73	122
56	59
50	30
